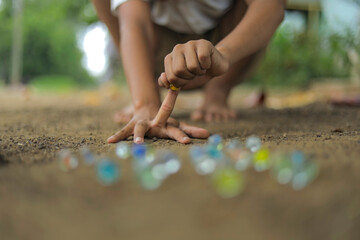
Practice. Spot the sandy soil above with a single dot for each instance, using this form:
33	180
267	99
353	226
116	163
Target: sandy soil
38	201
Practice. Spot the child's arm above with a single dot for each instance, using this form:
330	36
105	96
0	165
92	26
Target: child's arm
254	31
200	58
136	47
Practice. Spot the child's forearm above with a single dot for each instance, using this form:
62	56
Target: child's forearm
137	44
254	31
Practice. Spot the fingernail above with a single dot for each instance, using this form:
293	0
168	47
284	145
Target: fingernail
138	140
111	139
186	139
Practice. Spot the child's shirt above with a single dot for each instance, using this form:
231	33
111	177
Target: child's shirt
185	16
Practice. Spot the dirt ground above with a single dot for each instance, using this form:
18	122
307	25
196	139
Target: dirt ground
38	201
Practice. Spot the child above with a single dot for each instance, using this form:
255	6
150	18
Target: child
186	44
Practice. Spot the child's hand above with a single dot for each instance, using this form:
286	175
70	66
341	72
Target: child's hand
191	60
156	123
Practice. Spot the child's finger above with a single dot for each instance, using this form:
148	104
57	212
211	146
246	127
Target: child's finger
178	135
194	132
140	129
123	134
166	108
170	75
203	52
179	67
163	82
192	62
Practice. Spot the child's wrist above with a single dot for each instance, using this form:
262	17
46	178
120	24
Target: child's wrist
154	106
224	51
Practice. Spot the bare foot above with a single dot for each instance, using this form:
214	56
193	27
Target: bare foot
215	107
125	115
256	99
212	111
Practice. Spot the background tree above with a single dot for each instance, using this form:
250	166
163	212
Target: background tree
50	38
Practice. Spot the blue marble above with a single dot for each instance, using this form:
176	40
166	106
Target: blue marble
298	158
108	172
215	140
139	151
88	157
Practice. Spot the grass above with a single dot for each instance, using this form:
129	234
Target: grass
53	84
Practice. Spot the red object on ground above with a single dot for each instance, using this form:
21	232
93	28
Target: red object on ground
346	102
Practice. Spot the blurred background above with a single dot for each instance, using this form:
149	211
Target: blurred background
60	45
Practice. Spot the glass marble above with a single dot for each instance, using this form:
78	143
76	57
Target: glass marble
283	168
201	161
253	143
216	141
150	155
67	161
205	166
147	180
233	145
108	171
243	161
170	161
87	156
228	182
304	175
139	151
122	150
238	154
159	171
261	160
196	153
213	152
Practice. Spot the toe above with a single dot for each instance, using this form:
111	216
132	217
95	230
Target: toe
218	117
209	116
121	117
117	117
197	115
225	116
232	114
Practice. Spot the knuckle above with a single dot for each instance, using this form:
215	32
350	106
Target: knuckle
172	79
205	42
141	123
178	47
176	82
193	68
191	42
167	58
163	83
179	72
203	58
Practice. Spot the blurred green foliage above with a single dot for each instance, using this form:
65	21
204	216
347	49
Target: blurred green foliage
297	59
53	84
51	50
50	40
